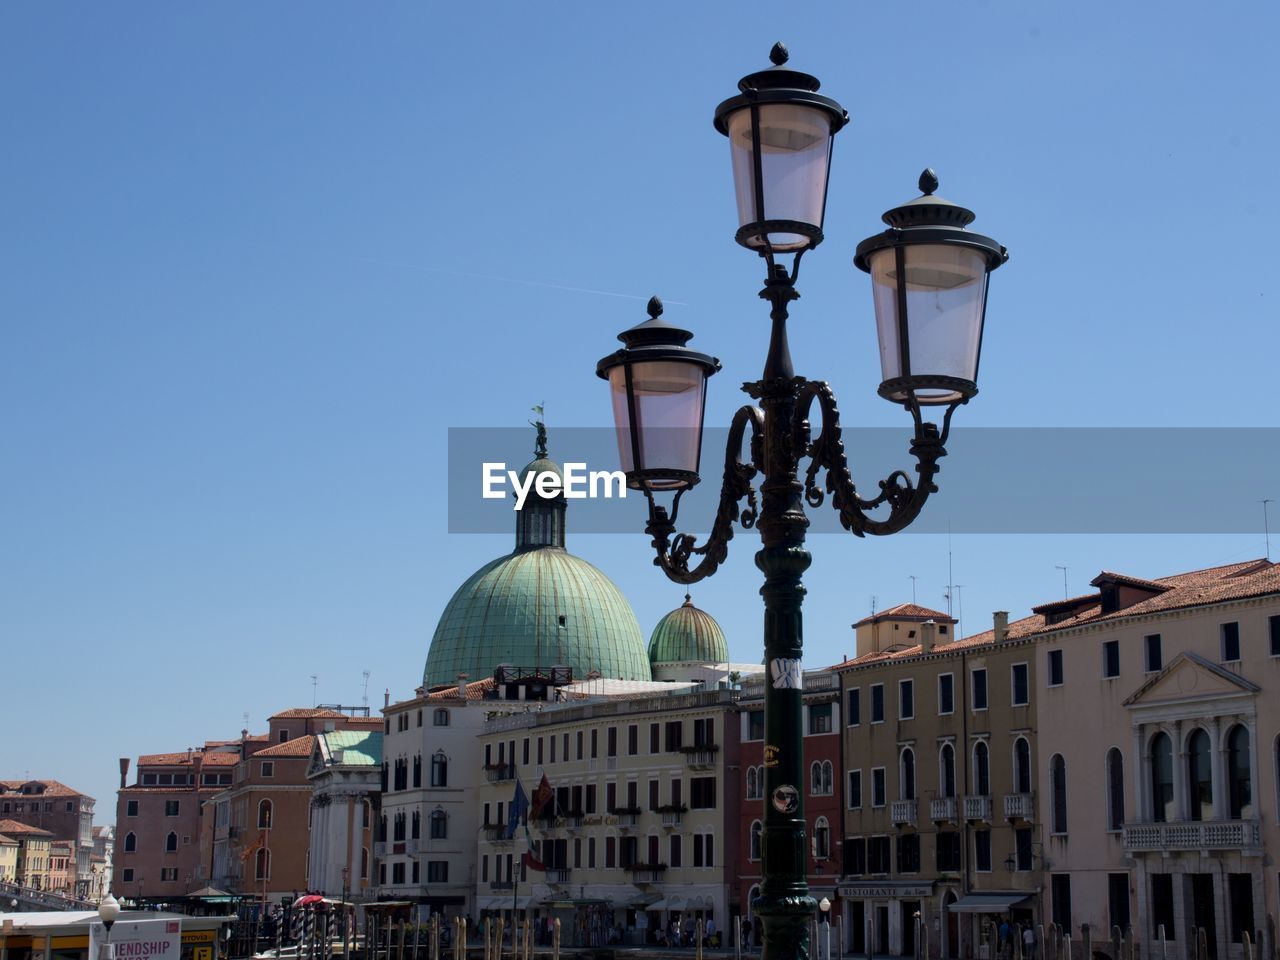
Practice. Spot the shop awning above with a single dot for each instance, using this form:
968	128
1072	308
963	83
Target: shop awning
503	903
987	902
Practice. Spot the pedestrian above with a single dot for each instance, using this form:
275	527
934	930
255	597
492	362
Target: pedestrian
1029	943
1006	938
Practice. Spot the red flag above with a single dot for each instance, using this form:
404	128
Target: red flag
541	797
532	862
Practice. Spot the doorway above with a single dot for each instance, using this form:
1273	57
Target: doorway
882	928
1202	913
953	928
909	910
858	927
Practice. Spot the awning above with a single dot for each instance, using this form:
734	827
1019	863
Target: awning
987	902
646	900
503	903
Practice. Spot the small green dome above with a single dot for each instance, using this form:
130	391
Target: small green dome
688	635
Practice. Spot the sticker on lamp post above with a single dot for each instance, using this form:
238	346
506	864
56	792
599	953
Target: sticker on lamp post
787	674
786	799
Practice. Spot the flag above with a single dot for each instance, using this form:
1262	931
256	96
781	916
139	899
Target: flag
519	808
538	410
529	860
542	796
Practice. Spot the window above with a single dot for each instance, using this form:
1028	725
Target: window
171	842
1151	646
264	815
1060	895
755	783
821	773
1239	780
130	808
819	718
397	873
1118	899
417	770
981	768
171	808
610	743
1115	789
947	771
877	787
437	871
440	718
854	701
1199	776
704	732
948	851
704	850
655	739
633	739
675	855
439	770
595	743
1273	628
979	689
757	837
755	725
946	693
702	793
675	736
1240	898
877	854
1021	766
877	703
906	699
1230	642
262	864
855	856
130	842
1018	681
127	874
1162	810
415	826
268	769
982	851
1055	668
821	839
439	825
908	853
1022	847
1058	793
907	775
1110	659
855	789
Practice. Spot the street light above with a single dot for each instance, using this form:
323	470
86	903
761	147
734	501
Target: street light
929	282
108	911
825	906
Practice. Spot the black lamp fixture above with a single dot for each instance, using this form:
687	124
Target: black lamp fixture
929	283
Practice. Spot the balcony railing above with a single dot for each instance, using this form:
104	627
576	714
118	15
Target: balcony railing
943	810
903	811
557	875
499	772
501	885
1020	806
380	848
496	833
700	756
977	808
1193	835
647	872
627	816
672	816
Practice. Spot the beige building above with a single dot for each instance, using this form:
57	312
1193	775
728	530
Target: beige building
8	859
938	777
34	855
633	813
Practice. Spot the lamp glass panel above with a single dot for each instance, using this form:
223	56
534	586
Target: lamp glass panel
668	397
946	292
795	147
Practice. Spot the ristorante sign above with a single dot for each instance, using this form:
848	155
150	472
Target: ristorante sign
882	891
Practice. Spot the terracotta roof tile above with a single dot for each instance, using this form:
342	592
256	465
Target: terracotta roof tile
297	747
52	788
8	840
12	827
474	691
907	611
307	713
211	759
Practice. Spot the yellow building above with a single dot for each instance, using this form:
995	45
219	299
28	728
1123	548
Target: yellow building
8	859
34	853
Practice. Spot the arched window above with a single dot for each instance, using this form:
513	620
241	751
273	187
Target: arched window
753	784
981	768
439	825
1058	791
264	815
815	777
1199	776
1239	775
415	826
947	770
1021	766
262	864
757	838
397	827
821	839
1115	789
382	828
130	842
828	778
440	718
439	770
907	774
821	778
170	842
1162	810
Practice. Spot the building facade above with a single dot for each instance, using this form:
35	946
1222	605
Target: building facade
345	777
63	811
32	859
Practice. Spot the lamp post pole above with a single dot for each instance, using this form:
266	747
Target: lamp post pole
929	275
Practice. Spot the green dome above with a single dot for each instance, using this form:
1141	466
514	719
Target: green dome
688	635
538	607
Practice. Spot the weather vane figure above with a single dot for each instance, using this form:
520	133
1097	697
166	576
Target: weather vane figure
540	448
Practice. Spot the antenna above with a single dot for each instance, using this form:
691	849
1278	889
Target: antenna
365	695
873	604
950	577
1065	592
1266	526
313	689
913	579
244	717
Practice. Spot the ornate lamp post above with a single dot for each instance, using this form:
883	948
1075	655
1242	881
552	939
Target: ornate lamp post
929	280
108	912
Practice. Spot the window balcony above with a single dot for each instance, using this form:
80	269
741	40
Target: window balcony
499	772
496	833
903	812
1242	835
700	757
977	808
1020	806
672	816
943	810
557	874
647	872
501	885
627	816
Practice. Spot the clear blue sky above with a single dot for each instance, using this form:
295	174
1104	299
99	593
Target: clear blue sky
257	259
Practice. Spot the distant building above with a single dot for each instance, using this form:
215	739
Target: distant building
100	861
34	853
66	813
345	773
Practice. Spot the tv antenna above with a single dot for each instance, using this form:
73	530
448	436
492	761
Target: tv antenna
912	577
313	689
365	695
1266	526
1058	566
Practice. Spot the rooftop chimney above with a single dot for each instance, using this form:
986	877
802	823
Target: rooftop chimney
928	632
124	772
1000	619
462	685
386	697
189	752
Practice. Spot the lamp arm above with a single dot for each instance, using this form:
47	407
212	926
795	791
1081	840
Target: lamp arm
674	550
904	498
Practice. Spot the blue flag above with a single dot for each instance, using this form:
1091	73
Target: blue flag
519	807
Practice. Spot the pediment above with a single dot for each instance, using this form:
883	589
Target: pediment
1190	677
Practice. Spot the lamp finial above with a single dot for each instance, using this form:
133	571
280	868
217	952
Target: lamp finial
928	182
779	55
654	307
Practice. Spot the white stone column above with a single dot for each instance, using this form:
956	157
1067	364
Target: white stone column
1140	765
1180	802
1218	769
